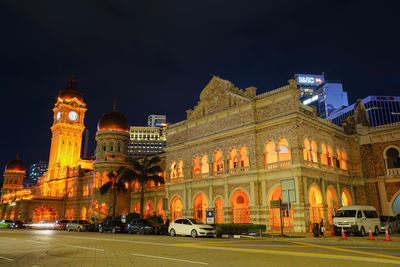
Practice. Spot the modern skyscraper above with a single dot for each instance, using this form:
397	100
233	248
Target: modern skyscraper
36	170
156	120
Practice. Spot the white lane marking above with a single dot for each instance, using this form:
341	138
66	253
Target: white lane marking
325	256
36	241
171	259
9	238
71	246
4	258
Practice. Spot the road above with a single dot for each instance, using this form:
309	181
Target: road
54	248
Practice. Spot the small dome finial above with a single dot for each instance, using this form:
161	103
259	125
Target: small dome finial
115	104
71	84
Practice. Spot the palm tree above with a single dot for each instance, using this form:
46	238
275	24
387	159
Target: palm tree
116	184
143	171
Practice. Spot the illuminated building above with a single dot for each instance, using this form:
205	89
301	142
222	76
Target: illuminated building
326	96
146	141
381	110
156	120
36	170
235	153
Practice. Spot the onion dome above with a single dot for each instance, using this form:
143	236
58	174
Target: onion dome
71	92
15	165
113	120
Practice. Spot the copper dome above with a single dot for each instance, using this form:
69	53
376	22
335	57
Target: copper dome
15	165
113	121
71	92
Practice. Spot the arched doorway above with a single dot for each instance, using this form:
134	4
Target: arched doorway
160	211
200	205
148	209
44	213
219	210
103	210
333	204
315	198
240	212
275	214
136	208
346	198
83	213
176	208
396	205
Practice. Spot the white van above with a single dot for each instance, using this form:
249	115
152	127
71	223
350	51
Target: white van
357	220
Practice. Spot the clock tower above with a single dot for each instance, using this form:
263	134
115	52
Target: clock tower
69	113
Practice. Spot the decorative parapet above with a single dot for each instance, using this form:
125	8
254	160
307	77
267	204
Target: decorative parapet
274	92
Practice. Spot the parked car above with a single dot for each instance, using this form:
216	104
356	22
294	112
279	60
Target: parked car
5	223
357	220
17	225
143	226
192	227
390	222
113	226
80	226
61	225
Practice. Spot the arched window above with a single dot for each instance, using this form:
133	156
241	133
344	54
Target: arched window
160	211
119	147
271	156
284	153
244	159
104	146
111	147
344	160
392	158
83	213
330	156
148	210
196	167
173	170
103	210
233	161
205	168
346	198
180	168
338	158
218	163
324	155
314	154
307	150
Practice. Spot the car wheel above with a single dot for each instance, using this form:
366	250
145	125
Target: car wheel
100	229
79	229
193	233
376	233
362	231
113	230
172	232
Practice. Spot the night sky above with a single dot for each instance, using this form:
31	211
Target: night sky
155	57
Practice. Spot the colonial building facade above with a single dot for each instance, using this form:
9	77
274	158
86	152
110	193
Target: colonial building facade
230	155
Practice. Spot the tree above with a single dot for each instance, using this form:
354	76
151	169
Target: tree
143	171
116	184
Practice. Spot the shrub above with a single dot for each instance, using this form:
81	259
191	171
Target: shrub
239	228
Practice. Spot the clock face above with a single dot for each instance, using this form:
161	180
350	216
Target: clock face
58	115
72	115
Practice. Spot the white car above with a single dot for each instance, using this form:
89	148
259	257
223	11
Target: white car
192	227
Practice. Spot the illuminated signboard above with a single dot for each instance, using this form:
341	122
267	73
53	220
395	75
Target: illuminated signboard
310	100
309	79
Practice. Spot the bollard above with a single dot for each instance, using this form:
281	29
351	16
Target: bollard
370	235
343	234
387	236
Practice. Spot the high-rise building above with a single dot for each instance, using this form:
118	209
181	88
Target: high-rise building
156	120
381	110
327	96
146	140
36	170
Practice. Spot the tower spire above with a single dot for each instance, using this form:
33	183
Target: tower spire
115	104
71	84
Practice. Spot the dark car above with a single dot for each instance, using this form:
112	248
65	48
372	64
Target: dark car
61	225
112	226
144	227
17	225
391	223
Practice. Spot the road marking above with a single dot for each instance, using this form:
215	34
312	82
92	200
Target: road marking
10	238
4	258
347	250
71	246
171	259
36	241
301	254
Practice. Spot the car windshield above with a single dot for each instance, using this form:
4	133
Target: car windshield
83	222
384	218
346	213
146	222
195	221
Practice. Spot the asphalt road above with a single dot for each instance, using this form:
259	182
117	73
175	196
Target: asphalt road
54	248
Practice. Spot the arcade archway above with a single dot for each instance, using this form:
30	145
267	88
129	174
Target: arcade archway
176	208
315	198
44	213
396	205
240	212
333	204
276	213
148	209
200	205
346	198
